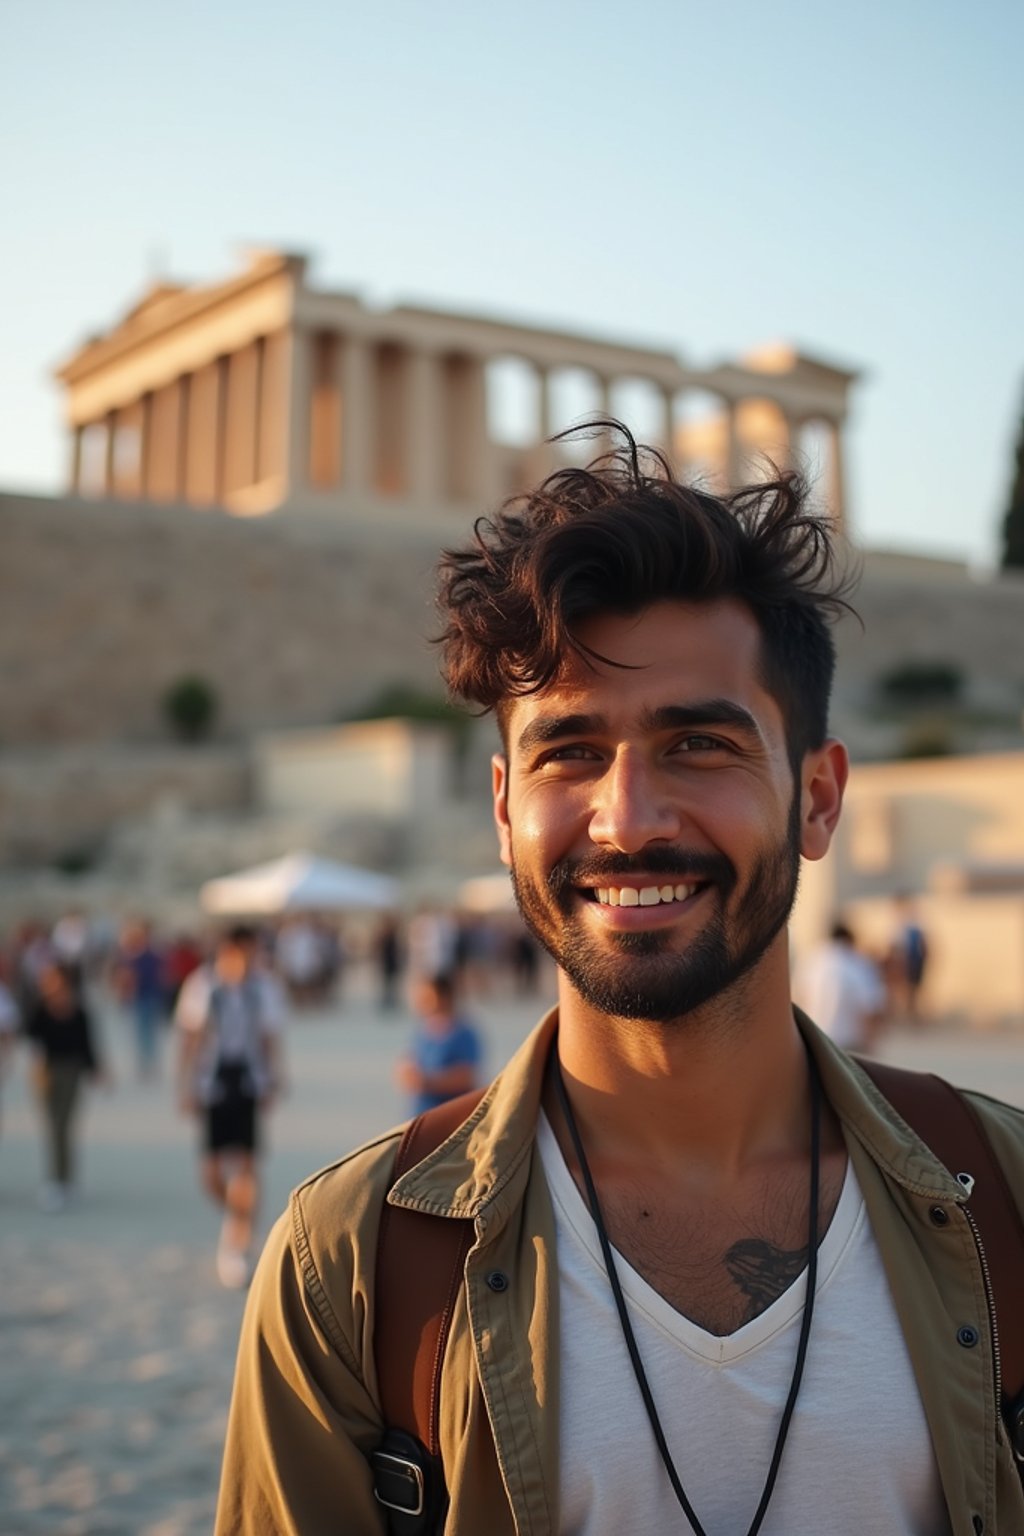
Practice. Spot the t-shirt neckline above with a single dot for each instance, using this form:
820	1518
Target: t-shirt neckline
783	1313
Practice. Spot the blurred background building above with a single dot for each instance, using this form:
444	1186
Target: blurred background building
215	647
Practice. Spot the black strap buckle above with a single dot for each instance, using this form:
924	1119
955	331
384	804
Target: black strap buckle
398	1483
409	1484
1014	1418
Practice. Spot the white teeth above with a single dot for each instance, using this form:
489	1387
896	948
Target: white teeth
646	896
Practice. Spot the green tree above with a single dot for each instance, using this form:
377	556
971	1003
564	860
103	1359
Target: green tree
1013	520
190	705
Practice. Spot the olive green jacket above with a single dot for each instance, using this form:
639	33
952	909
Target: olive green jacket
304	1414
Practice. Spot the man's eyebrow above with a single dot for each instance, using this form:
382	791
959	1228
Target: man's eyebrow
702	712
554	727
667	717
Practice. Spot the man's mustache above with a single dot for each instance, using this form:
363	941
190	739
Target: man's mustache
678	865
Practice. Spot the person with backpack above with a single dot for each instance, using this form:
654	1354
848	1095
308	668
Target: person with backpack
230	1017
684	1266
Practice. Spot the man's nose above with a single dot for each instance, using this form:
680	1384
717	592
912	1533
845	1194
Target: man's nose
632	807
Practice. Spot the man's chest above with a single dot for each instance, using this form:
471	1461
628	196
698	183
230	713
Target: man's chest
858	1447
719	1261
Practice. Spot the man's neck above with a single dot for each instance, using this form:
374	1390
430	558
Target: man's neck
721	1088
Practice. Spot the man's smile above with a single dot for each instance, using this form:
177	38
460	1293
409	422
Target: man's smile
651	895
642	904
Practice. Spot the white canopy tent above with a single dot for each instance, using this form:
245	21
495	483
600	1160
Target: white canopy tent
300	882
487	894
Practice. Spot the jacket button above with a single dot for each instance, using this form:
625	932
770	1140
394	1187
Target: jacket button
967	1336
939	1215
498	1280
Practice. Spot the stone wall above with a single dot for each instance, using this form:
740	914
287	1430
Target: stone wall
920	610
294	621
61	805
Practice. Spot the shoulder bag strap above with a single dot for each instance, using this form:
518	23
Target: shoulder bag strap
948	1123
420	1263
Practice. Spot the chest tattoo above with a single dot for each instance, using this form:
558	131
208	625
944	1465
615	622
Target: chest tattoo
762	1271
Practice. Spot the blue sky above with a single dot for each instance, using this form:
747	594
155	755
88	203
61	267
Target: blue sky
703	177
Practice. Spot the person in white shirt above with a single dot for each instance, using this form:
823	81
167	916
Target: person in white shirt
842	990
230	1017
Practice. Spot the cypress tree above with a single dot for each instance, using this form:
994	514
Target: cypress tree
1013	519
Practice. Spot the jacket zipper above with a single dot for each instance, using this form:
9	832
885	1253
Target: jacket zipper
990	1300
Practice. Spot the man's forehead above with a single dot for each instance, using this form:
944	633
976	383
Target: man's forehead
670	655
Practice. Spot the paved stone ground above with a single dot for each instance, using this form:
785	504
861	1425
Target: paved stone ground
116	1342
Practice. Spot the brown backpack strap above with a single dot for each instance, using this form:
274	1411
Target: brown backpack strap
948	1123
419	1270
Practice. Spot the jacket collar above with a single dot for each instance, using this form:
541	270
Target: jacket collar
481	1170
867	1116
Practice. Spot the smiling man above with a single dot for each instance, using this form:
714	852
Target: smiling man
713	1282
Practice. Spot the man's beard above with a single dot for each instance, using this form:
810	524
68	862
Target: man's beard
639	975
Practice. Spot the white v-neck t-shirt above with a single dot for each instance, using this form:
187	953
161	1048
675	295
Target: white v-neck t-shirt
858	1457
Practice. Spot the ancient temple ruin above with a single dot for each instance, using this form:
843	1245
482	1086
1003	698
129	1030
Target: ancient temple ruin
264	393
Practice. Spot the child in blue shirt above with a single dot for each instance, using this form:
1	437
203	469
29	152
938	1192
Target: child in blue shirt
443	1059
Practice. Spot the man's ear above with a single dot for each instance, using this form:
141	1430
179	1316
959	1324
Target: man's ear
823	779
499	788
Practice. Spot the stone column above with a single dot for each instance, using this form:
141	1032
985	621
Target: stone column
145	444
275	403
201	486
108	454
220	437
323	463
544	422
604	394
603	440
733	466
793	429
540	460
181	458
165	431
424	449
298	369
837	477
75	477
492	490
259	371
358	416
666	432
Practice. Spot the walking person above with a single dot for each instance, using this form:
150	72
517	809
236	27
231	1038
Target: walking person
710	1281
388	956
10	1020
141	982
444	1054
60	1031
842	990
230	1018
907	960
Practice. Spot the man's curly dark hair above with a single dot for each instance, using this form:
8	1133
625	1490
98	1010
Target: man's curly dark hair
621	534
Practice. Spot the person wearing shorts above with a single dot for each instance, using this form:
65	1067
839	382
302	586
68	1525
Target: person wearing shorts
230	1017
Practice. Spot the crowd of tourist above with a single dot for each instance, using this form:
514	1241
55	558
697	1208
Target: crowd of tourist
228	994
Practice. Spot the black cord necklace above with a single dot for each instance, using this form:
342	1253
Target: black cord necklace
627	1327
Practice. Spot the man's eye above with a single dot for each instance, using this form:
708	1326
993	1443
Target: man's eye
698	743
574	752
